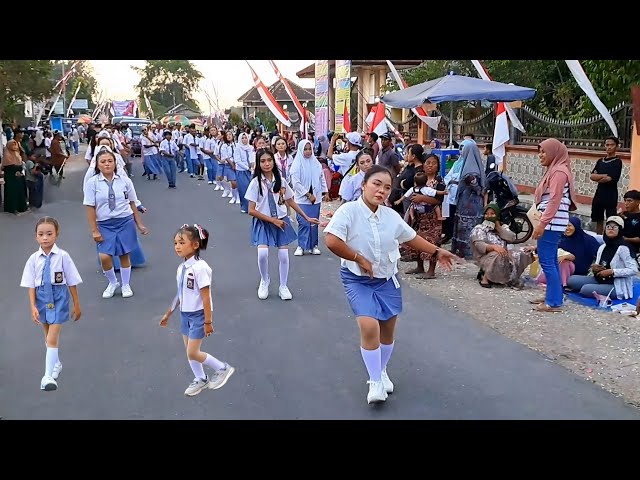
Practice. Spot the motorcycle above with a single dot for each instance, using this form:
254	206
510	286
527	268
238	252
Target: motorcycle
512	214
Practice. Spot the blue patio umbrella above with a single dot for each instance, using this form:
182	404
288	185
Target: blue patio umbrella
453	88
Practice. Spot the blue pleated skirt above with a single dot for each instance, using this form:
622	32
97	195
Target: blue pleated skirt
59	311
264	233
371	297
119	236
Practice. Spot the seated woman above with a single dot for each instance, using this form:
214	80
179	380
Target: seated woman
581	248
489	241
614	268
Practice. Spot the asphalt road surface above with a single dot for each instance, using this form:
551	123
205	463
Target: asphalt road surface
294	360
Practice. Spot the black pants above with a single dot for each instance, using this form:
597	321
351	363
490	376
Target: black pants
447	226
36	191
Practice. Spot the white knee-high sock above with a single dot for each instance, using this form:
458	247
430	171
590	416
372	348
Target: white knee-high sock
372	362
111	276
126	275
213	362
197	369
283	257
263	263
50	360
385	354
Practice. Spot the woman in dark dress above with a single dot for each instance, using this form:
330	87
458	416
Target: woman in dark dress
15	186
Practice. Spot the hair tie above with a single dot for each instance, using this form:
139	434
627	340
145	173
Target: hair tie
200	232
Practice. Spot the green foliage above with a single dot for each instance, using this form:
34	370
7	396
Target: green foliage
235	118
167	83
83	75
557	92
22	79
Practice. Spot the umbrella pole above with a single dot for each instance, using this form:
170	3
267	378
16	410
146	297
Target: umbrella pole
451	127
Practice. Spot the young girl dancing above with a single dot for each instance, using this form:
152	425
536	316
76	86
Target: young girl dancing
268	197
50	275
194	297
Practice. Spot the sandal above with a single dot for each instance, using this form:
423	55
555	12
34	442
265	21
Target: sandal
484	285
543	307
425	276
537	301
414	271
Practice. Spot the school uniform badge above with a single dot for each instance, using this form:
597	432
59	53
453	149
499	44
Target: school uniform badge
58	277
190	283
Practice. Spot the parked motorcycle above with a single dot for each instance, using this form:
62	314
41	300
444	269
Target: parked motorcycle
512	214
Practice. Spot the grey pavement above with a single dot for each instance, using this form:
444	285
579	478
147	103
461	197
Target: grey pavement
294	360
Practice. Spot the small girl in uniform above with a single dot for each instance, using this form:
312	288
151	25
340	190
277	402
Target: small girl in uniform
50	275
268	197
194	297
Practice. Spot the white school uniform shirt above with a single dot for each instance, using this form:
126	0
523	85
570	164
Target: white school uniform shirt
351	187
188	140
196	276
96	194
63	270
227	150
148	148
47	144
243	158
202	143
344	160
262	201
376	236
210	144
169	146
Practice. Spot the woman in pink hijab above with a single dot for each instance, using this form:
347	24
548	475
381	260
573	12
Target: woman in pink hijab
553	201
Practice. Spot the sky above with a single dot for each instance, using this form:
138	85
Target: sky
231	78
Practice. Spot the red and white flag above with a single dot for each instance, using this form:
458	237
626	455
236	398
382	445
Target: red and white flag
304	117
485	76
268	99
587	87
379	124
420	112
500	134
346	124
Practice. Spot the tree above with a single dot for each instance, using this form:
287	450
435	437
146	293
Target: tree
168	83
83	75
235	118
21	80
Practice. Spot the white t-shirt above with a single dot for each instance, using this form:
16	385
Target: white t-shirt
63	270
262	201
197	276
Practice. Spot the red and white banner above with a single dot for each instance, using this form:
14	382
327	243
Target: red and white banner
379	124
500	134
587	87
304	117
268	99
485	76
346	124
432	122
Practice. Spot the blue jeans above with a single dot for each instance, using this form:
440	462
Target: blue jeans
169	166
548	258
212	168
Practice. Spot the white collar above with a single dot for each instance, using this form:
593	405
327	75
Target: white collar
101	176
54	249
367	211
190	262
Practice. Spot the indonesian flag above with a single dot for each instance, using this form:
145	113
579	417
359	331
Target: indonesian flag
432	122
346	124
485	76
304	118
268	99
500	134
587	87
379	124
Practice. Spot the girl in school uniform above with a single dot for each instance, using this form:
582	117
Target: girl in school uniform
310	188
105	144
351	185
110	199
227	151
50	275
268	197
365	234
196	321
244	157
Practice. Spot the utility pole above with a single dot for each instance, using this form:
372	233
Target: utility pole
64	92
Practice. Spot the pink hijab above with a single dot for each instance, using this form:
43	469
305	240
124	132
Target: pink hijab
560	163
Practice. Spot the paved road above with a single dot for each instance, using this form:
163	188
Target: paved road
294	360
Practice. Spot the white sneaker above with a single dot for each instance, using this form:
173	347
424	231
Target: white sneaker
57	368
226	193
48	384
221	376
238	200
126	291
233	200
263	289
210	183
218	187
196	386
110	290
376	392
284	293
299	252
316	251
386	381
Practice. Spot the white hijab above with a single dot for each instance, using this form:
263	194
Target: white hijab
307	171
91	171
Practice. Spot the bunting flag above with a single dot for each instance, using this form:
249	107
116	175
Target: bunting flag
74	98
65	78
500	135
268	99
420	112
587	87
512	115
347	121
148	105
304	117
55	102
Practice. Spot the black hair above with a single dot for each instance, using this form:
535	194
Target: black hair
615	139
277	184
470	135
373	136
376	169
193	233
432	155
420	179
50	221
489	147
418	151
632	194
106	152
365	151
